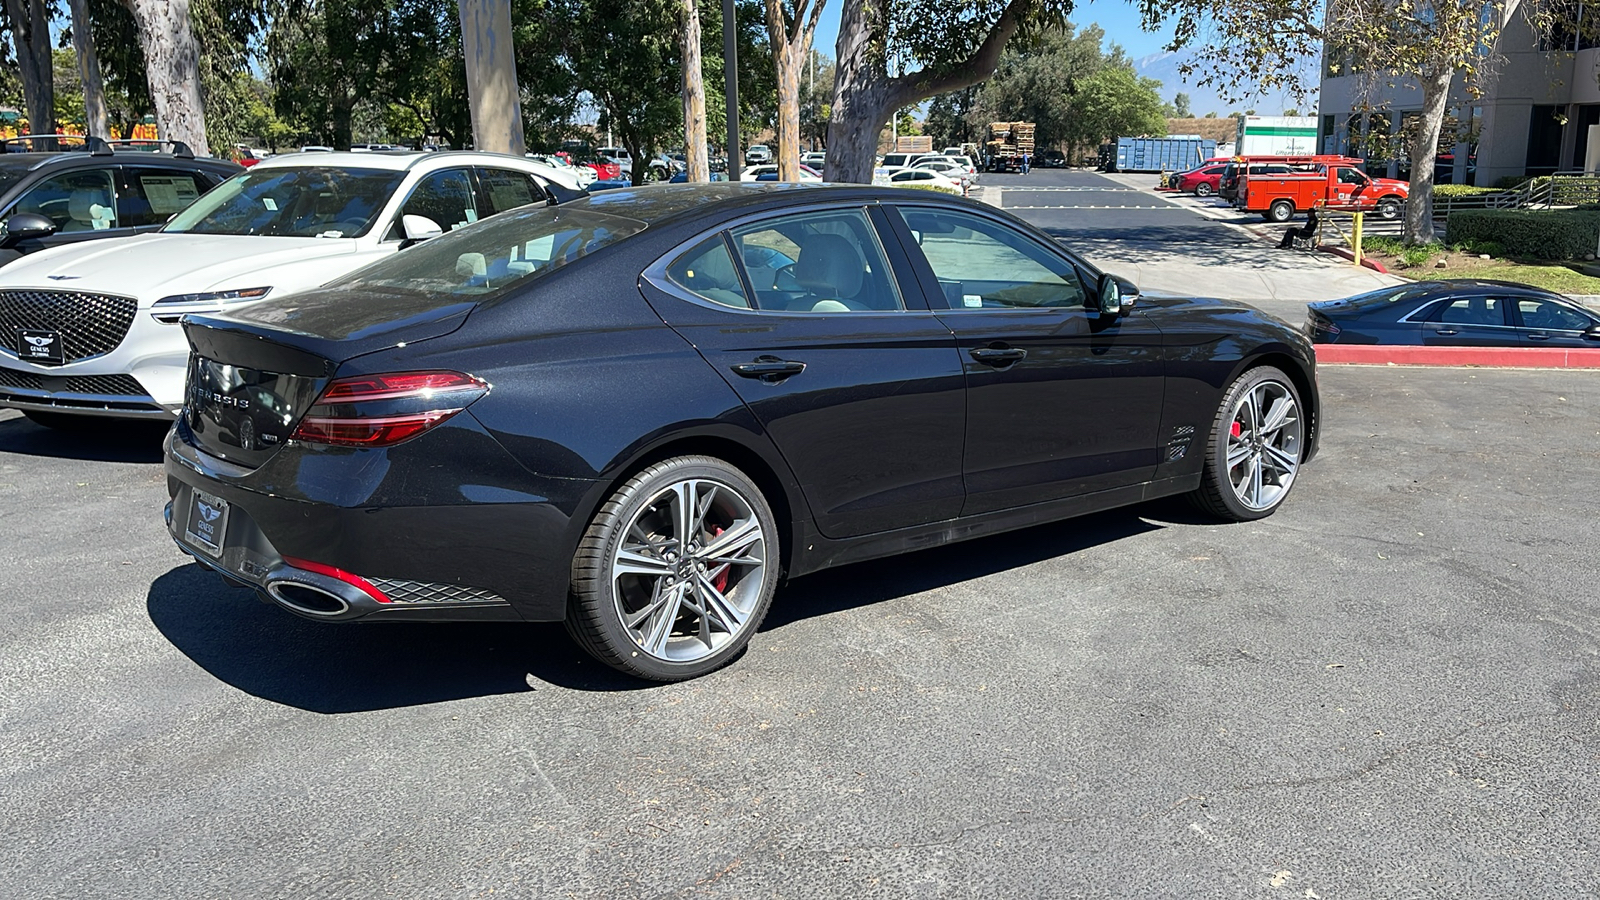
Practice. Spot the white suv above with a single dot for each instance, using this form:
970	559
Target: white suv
93	328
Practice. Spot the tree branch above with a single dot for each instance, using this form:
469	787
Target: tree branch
919	85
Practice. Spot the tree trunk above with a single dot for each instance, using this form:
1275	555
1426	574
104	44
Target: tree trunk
94	93
864	96
1424	149
30	33
172	60
698	169
790	45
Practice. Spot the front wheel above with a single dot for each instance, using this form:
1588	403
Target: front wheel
1202	189
1255	447
676	571
1389	208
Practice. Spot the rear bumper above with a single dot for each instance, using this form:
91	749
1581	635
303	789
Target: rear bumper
379	559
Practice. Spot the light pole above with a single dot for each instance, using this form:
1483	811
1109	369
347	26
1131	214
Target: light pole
730	81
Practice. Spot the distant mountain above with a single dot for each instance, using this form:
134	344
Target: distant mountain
1166	67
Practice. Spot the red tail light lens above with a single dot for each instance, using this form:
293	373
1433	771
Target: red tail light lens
383	410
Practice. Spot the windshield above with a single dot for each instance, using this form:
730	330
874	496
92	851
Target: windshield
292	202
497	253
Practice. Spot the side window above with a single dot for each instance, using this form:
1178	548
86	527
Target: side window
817	262
1351	176
505	189
707	271
982	264
446	197
151	196
1543	314
1469	311
76	201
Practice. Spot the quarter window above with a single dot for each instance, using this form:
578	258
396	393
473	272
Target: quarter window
982	264
817	262
75	201
708	272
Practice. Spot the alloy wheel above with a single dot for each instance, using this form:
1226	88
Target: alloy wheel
1264	445
689	572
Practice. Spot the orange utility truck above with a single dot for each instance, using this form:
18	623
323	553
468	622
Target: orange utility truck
1335	182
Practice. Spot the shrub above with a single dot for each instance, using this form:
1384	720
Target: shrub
1461	190
1541	234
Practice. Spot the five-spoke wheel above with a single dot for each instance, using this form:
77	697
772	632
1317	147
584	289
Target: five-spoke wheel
677	570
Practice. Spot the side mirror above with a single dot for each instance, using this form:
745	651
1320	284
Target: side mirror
418	229
1116	295
1592	333
25	227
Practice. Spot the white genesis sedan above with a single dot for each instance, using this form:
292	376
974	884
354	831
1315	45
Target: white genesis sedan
92	329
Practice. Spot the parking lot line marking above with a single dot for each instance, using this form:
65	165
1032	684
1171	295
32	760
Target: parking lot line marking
1160	208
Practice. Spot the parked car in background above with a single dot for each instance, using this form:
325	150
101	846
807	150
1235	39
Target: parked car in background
898	160
1455	313
816	159
1202	182
757	154
913	177
92	330
618	155
584	174
769	172
461	441
55	197
947	167
1053	159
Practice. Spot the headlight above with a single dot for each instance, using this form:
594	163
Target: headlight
255	293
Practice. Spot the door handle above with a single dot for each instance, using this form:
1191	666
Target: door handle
769	369
1447	331
1538	336
999	357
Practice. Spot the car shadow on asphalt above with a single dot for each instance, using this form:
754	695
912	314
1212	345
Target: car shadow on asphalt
1144	245
332	668
102	440
342	668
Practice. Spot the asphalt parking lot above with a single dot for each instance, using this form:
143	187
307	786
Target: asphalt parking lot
1388	689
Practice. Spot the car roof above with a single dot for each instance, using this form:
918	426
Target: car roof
397	161
661	204
1446	285
31	161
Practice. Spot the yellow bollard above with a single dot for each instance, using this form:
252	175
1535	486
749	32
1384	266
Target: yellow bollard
1355	240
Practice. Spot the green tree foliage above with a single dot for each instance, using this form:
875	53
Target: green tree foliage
1180	106
949	118
1115	103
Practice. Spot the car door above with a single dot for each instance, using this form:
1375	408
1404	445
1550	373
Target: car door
1061	400
1543	322
446	197
858	385
1468	320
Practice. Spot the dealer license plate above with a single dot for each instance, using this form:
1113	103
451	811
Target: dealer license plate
208	522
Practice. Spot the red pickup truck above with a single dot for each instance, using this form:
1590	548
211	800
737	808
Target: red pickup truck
1336	182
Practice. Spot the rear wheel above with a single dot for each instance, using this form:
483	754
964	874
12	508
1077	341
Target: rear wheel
1280	211
1254	449
676	571
1203	189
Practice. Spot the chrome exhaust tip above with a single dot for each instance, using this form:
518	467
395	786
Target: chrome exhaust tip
308	599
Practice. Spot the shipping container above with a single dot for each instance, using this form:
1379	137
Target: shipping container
1276	136
1171	154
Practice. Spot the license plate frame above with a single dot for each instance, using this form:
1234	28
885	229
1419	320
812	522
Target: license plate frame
206	525
38	345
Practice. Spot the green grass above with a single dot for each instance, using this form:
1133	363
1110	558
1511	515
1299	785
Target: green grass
1553	278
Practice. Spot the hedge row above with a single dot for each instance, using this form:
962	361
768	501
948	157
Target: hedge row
1541	234
1462	190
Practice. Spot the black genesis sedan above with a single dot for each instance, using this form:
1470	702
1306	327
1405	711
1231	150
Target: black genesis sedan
639	411
1455	313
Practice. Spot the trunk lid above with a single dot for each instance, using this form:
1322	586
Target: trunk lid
254	372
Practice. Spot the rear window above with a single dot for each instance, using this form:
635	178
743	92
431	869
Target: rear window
496	254
1385	296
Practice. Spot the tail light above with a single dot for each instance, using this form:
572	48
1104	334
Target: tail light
383	410
1321	325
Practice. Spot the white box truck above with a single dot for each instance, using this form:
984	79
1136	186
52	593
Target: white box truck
1276	136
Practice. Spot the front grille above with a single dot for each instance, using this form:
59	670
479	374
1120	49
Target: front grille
401	591
89	324
104	385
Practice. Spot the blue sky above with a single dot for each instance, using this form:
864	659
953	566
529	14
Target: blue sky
1119	18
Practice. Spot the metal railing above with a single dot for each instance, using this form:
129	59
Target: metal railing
1542	192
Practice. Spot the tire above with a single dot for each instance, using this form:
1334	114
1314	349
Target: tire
631	561
1389	208
1280	211
1203	189
1263	468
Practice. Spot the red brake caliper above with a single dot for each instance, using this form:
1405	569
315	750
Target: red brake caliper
721	581
1236	429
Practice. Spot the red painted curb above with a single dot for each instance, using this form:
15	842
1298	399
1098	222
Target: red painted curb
1346	253
1496	357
